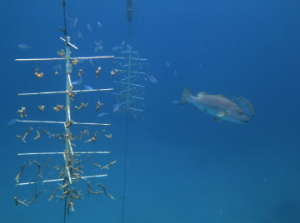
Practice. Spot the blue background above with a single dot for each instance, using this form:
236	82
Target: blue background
181	166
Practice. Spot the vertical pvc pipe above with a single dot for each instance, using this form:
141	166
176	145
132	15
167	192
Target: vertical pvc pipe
68	101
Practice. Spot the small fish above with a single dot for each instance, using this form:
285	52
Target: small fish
116	108
245	104
175	73
168	64
69	16
102	114
89	27
217	105
79	82
152	79
98	45
79	35
75	21
99	48
12	121
99	25
24	46
115	48
88	87
175	102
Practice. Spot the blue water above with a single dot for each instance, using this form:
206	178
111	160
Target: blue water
181	165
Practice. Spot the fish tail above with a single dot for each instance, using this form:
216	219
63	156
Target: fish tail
185	96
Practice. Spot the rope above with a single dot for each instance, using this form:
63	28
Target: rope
124	190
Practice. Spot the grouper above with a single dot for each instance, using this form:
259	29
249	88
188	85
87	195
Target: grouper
217	105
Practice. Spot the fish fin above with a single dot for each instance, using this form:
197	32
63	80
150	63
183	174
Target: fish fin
216	119
221	114
201	93
197	108
185	96
233	97
219	95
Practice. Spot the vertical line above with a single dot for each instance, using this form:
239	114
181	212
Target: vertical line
125	168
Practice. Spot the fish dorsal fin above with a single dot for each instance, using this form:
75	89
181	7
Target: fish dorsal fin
221	114
201	93
222	96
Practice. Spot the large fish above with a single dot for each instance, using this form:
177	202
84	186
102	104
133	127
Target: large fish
217	105
245	104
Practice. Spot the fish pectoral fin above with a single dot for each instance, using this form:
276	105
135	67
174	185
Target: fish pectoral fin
221	114
216	119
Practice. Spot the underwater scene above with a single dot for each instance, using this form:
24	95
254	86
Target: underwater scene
150	111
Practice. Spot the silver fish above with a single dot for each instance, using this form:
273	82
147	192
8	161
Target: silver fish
89	27
245	104
79	82
69	16
152	79
102	114
24	46
217	105
99	25
115	48
75	21
98	45
116	108
88	87
79	35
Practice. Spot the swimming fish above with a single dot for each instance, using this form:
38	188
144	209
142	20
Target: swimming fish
75	21
152	79
217	105
245	104
119	47
89	27
98	45
99	25
115	48
12	121
79	35
116	108
24	46
69	16
88	87
79	82
102	114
